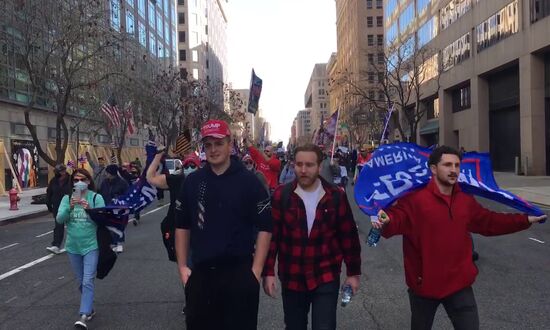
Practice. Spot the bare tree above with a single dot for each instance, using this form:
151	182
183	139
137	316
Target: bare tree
394	80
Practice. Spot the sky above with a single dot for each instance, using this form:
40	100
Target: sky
282	40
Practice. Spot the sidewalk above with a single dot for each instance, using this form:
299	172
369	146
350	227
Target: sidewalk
535	189
26	209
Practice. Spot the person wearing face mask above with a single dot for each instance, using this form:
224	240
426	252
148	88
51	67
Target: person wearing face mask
190	164
58	187
251	166
113	186
81	243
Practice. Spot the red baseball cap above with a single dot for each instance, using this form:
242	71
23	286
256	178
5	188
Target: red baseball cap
215	128
192	159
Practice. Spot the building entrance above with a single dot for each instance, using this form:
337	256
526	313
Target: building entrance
505	138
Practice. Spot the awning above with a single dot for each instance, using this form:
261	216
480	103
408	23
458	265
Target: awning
430	127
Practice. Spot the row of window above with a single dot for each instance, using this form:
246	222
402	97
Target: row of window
379	58
379	4
539	9
379	21
456	52
453	11
379	40
381	95
497	27
371	76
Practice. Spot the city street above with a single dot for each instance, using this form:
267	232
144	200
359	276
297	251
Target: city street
143	291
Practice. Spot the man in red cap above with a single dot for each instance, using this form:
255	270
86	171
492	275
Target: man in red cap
220	208
267	163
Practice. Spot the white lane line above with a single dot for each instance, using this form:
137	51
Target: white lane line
8	246
51	231
536	240
152	211
10	300
30	264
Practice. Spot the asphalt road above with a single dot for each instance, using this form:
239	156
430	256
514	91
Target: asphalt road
143	290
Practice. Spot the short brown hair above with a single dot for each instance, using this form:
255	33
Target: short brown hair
310	148
88	176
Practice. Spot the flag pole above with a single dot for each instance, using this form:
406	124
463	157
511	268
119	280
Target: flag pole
390	110
335	134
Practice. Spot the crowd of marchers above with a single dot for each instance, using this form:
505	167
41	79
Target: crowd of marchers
237	221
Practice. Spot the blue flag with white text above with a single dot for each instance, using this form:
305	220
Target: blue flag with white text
397	169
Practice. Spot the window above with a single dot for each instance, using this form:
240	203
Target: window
130	29
432	109
380	76
134	142
161	49
160	27
151	16
181	18
102	138
369	21
453	11
183	55
406	18
181	35
115	14
195	55
456	52
195	73
461	98
370	40
380	40
369	4
379	21
370	58
427	32
152	43
379	3
141	8
194	39
380	58
370	77
181	2
381	96
130	3
391	35
371	95
195	19
497	27
167	32
421	6
20	129
390	8
539	9
142	34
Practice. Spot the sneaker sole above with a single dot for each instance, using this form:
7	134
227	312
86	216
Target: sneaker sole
80	325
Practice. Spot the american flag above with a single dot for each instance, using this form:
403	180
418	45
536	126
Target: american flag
111	111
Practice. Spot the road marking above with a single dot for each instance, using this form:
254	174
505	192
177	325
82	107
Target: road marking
30	264
51	231
536	240
10	300
49	256
8	246
152	211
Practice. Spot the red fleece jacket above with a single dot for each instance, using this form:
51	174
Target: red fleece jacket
437	245
269	168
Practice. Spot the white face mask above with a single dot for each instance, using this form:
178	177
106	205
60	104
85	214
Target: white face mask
250	167
188	171
81	185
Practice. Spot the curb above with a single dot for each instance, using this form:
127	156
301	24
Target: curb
18	218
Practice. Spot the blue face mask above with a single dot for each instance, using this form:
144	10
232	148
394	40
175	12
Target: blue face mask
81	185
188	171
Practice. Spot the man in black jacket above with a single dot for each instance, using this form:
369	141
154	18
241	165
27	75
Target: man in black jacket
219	210
58	187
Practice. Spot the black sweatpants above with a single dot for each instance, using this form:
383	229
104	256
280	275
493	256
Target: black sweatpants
323	301
58	233
461	308
222	297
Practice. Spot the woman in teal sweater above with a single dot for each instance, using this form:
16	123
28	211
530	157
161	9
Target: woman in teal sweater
81	243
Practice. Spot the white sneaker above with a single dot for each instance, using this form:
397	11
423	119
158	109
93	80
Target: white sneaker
54	249
81	323
118	248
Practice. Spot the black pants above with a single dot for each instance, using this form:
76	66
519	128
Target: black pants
222	297
323	300
58	232
461	308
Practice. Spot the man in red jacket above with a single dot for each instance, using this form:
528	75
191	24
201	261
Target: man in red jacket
267	163
313	232
436	222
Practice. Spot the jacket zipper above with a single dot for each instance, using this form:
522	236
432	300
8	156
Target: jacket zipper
450	205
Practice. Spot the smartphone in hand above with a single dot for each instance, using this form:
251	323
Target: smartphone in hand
77	194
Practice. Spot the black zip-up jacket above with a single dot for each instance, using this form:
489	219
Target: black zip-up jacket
223	212
55	192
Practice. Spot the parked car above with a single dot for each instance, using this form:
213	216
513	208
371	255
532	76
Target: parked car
174	165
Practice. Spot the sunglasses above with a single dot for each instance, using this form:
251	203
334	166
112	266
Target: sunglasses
75	180
191	166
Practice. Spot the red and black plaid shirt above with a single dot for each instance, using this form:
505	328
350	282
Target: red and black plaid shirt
305	262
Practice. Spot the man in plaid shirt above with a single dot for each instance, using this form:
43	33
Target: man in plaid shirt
313	232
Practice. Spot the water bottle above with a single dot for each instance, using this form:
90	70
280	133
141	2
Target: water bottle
347	292
374	233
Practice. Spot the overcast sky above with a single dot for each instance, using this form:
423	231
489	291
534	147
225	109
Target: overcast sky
282	40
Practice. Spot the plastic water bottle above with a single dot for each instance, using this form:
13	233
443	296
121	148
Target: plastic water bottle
347	292
374	233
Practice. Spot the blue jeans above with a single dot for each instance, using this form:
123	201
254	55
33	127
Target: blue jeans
84	267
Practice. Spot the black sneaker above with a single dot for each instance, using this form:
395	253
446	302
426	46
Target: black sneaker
81	323
183	310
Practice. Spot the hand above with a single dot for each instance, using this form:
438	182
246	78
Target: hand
353	281
84	204
257	273
270	287
185	273
533	219
73	202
